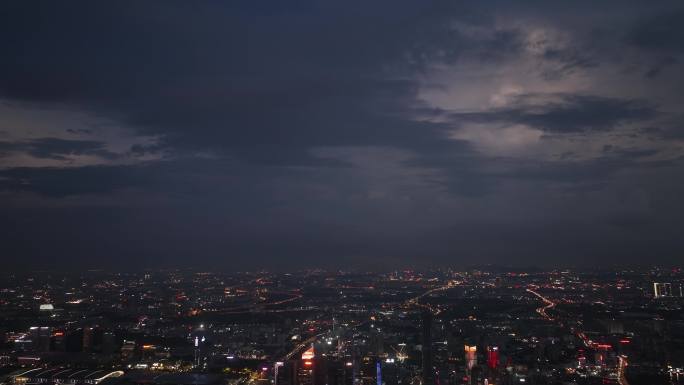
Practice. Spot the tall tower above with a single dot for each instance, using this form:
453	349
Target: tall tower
378	373
492	357
471	356
471	360
428	370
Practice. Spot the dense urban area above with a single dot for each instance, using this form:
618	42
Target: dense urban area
486	326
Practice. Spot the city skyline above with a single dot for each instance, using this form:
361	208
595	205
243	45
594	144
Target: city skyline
433	327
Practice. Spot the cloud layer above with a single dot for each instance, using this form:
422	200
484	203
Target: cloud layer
333	134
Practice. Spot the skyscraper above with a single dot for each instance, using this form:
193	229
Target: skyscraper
40	337
305	368
87	339
661	290
470	356
428	371
492	357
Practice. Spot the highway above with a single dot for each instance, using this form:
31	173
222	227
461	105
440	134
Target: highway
415	300
622	379
548	305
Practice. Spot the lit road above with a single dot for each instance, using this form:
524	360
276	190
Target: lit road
293	298
548	305
260	307
622	379
415	300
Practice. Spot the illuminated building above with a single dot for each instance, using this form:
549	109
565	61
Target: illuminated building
286	373
378	373
309	354
58	341
492	357
276	369
127	349
661	290
470	356
40	338
428	371
305	370
198	349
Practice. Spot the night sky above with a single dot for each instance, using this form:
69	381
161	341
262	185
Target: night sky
341	134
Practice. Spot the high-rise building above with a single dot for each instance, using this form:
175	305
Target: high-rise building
74	340
390	372
428	370
378	373
470	356
305	367
286	373
338	373
108	342
492	357
40	338
88	336
662	289
58	341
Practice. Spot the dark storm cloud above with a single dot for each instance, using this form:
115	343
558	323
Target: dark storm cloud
565	113
59	182
258	83
58	149
661	32
261	85
477	177
670	128
286	131
182	177
79	131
